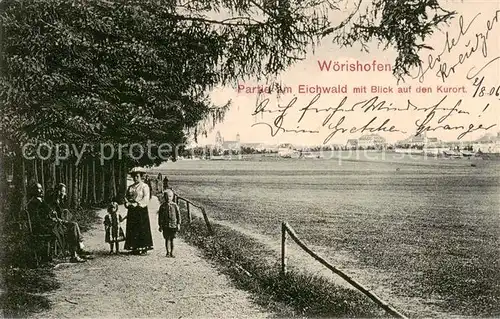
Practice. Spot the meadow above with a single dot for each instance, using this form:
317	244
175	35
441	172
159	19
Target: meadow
422	229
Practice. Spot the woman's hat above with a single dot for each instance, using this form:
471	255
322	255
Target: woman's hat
137	170
113	207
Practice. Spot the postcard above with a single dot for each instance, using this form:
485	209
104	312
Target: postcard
250	159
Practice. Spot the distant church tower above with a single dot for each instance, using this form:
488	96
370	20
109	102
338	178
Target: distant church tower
238	137
218	140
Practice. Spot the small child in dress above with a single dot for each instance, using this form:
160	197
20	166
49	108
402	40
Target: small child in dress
169	221
114	231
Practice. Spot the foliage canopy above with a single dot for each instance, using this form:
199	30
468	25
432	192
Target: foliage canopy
130	71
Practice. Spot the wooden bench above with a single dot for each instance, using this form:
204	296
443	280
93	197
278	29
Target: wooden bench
43	242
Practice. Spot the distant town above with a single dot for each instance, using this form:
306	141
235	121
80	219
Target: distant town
421	144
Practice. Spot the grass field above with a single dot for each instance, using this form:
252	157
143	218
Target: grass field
425	230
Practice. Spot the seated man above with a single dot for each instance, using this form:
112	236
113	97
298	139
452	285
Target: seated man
45	220
73	234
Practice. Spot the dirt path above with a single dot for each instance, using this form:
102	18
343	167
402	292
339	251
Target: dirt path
146	286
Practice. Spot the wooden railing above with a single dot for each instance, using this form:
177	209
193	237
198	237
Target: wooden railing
190	204
286	229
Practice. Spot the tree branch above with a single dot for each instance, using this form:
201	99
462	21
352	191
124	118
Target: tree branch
344	23
225	22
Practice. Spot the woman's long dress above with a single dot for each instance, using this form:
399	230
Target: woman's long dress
138	230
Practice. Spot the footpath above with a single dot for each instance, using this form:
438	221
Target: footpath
152	285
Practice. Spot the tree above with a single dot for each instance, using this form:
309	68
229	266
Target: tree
99	72
125	71
401	24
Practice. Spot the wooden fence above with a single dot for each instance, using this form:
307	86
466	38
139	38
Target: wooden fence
286	229
190	204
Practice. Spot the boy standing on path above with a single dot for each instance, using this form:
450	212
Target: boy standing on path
169	221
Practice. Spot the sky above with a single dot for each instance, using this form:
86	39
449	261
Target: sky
472	45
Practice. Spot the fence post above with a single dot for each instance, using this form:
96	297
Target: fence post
384	305
206	220
189	212
283	248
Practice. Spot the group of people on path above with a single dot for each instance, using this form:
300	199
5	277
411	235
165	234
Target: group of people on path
46	216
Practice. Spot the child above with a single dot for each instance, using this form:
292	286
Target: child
114	232
169	221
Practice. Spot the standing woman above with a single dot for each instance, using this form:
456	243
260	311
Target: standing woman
138	230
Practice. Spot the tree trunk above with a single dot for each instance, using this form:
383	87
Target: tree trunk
124	178
103	185
112	181
98	178
3	187
24	192
93	200
78	191
71	185
69	181
116	169
54	174
42	175
119	182
81	185
61	172
87	168
17	197
64	174
35	172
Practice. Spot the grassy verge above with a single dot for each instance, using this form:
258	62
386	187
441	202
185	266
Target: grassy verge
22	288
21	283
86	218
255	268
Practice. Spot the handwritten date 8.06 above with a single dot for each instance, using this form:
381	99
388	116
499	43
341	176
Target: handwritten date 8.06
483	89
